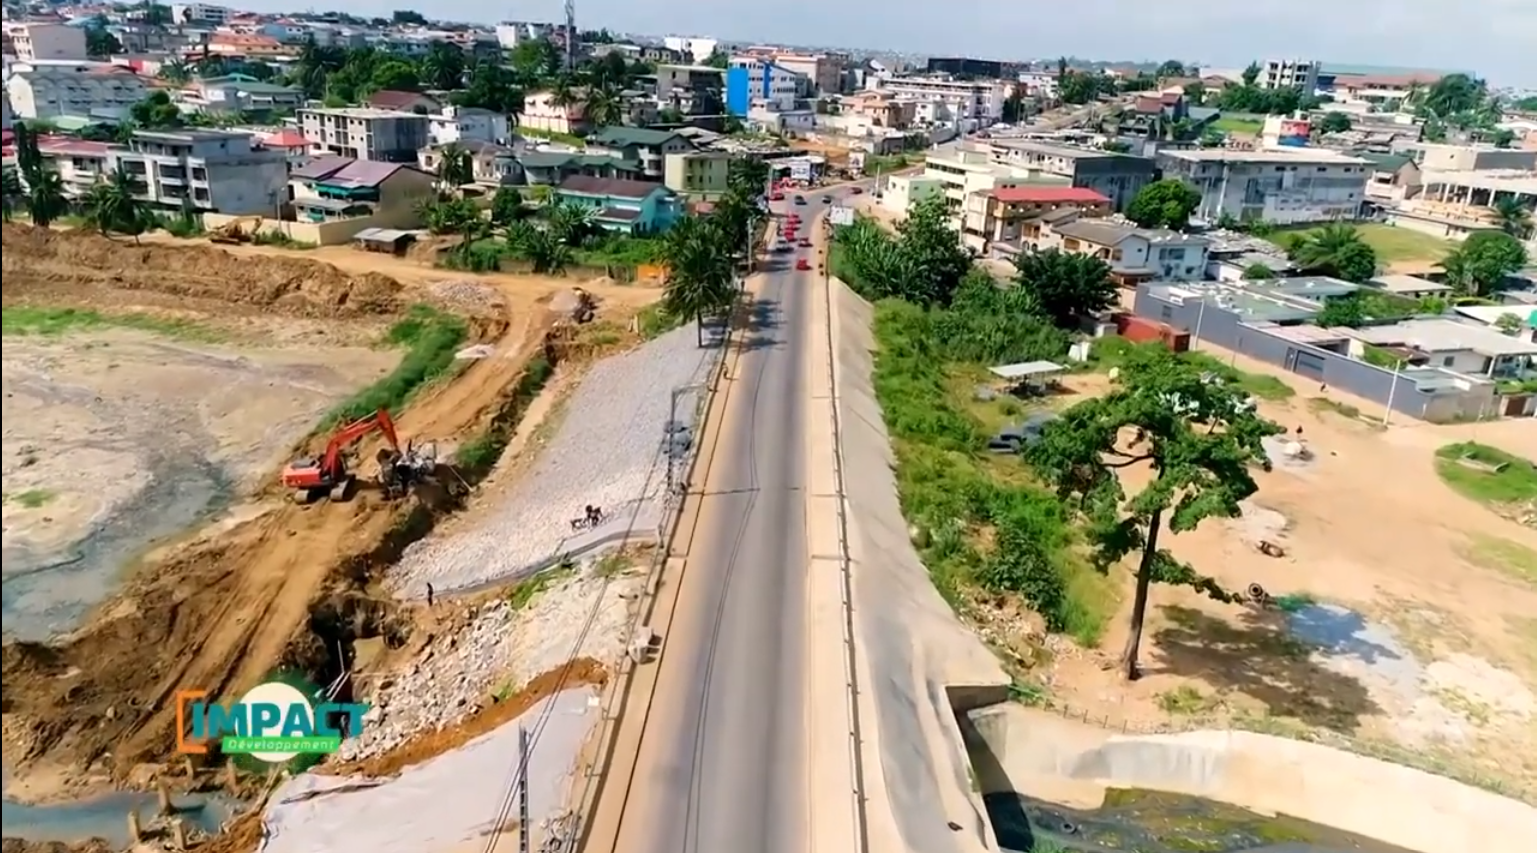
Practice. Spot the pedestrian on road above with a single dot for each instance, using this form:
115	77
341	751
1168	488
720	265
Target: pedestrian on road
429	595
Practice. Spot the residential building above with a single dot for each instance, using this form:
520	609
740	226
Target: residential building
1441	157
901	192
49	90
700	49
541	112
551	168
647	149
214	170
1524	324
962	170
34	41
963	103
961	66
697	172
1232	255
1469	348
79	164
823	70
240	94
881	109
336	188
365	133
490	163
621	206
200	14
1410	286
756	82
1014	215
1118	177
1391	178
1288	74
246	46
679	84
468	124
404	102
287	140
1281	187
1135	255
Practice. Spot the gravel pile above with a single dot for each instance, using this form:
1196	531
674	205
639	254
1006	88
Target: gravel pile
607	453
501	649
468	294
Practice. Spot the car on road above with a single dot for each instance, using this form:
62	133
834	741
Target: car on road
803	265
827	199
805	242
777	197
800	199
856	190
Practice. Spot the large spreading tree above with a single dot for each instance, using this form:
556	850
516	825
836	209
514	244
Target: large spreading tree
1201	440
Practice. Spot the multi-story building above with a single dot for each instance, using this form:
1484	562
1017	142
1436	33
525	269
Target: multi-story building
1288	74
362	133
79	164
643	148
823	70
679	86
1441	157
490	164
699	49
963	66
698	172
240	94
1134	255
48	89
200	14
542	112
1118	177
1015	215
469	124
47	42
754	82
966	103
214	170
1282	187
622	207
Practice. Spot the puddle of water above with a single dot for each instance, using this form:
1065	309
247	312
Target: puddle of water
106	817
1158	822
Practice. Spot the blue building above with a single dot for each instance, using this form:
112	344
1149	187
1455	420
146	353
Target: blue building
751	80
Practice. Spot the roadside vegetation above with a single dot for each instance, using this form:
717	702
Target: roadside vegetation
1487	474
1047	526
430	338
48	322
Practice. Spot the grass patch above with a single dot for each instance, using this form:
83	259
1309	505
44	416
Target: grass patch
1292	602
1324	404
552	136
628	252
281	241
1239	124
26	320
653	322
1486	474
1502	555
430	337
479	454
1186	701
1392	244
31	498
1110	351
524	593
610	565
976	529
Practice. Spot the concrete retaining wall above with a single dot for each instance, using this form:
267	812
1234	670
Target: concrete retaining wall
1043	755
916	661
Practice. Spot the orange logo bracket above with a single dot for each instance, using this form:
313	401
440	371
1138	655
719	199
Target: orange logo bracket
184	699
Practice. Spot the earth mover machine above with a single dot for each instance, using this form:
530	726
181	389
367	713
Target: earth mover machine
328	475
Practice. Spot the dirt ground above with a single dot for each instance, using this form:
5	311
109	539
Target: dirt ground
222	607
1366	525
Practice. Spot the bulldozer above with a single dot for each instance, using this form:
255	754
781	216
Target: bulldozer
328	476
236	231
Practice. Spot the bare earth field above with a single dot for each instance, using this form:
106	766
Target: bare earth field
261	342
1413	624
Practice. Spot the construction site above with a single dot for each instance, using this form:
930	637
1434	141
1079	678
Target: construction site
211	456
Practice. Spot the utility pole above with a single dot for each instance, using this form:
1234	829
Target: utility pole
525	831
571	36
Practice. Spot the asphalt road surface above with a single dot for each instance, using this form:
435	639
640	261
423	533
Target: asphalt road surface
721	768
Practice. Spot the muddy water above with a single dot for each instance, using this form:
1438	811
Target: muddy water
1157	822
106	817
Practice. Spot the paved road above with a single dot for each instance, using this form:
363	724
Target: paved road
721	766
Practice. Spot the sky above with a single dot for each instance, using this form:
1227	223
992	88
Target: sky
1495	38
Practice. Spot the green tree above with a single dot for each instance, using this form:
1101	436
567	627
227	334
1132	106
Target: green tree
1251	74
1168	203
1508	323
443	66
1335	250
394	75
699	271
1258	272
46	201
111	207
100	44
491	87
157	111
1343	312
1171	68
408	16
1081	88
1066	285
1200	439
1452	94
455	168
506	206
535	60
602	105
747	177
176	71
1481	264
11	191
1334	122
718	59
1514	218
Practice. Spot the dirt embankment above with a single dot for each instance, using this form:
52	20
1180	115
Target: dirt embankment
87	267
288	586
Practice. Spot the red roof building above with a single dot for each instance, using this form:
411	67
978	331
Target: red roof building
1049	195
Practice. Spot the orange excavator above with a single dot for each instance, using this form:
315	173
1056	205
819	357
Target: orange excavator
315	477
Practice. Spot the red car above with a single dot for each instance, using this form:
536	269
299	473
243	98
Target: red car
803	265
856	190
777	197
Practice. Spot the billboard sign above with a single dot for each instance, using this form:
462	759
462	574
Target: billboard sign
841	215
800	170
856	161
1293	133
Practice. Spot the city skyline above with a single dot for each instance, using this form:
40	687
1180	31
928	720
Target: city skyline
1493	38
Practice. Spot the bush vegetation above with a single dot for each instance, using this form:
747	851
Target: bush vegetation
430	338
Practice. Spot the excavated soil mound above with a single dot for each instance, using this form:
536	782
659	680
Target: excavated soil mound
42	260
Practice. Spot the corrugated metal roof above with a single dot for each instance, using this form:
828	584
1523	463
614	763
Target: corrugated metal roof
1025	369
381	235
613	187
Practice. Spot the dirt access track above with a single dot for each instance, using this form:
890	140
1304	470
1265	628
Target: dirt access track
272	584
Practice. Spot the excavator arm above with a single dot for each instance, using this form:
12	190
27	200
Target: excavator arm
347	435
311	478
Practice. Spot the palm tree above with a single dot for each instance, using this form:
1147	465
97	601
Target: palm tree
111	205
176	71
568	224
46	201
11	191
455	168
1514	218
443	66
603	106
699	271
1335	250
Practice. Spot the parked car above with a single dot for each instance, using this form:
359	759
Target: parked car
800	199
1011	439
777	197
805	242
827	199
856	190
803	265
